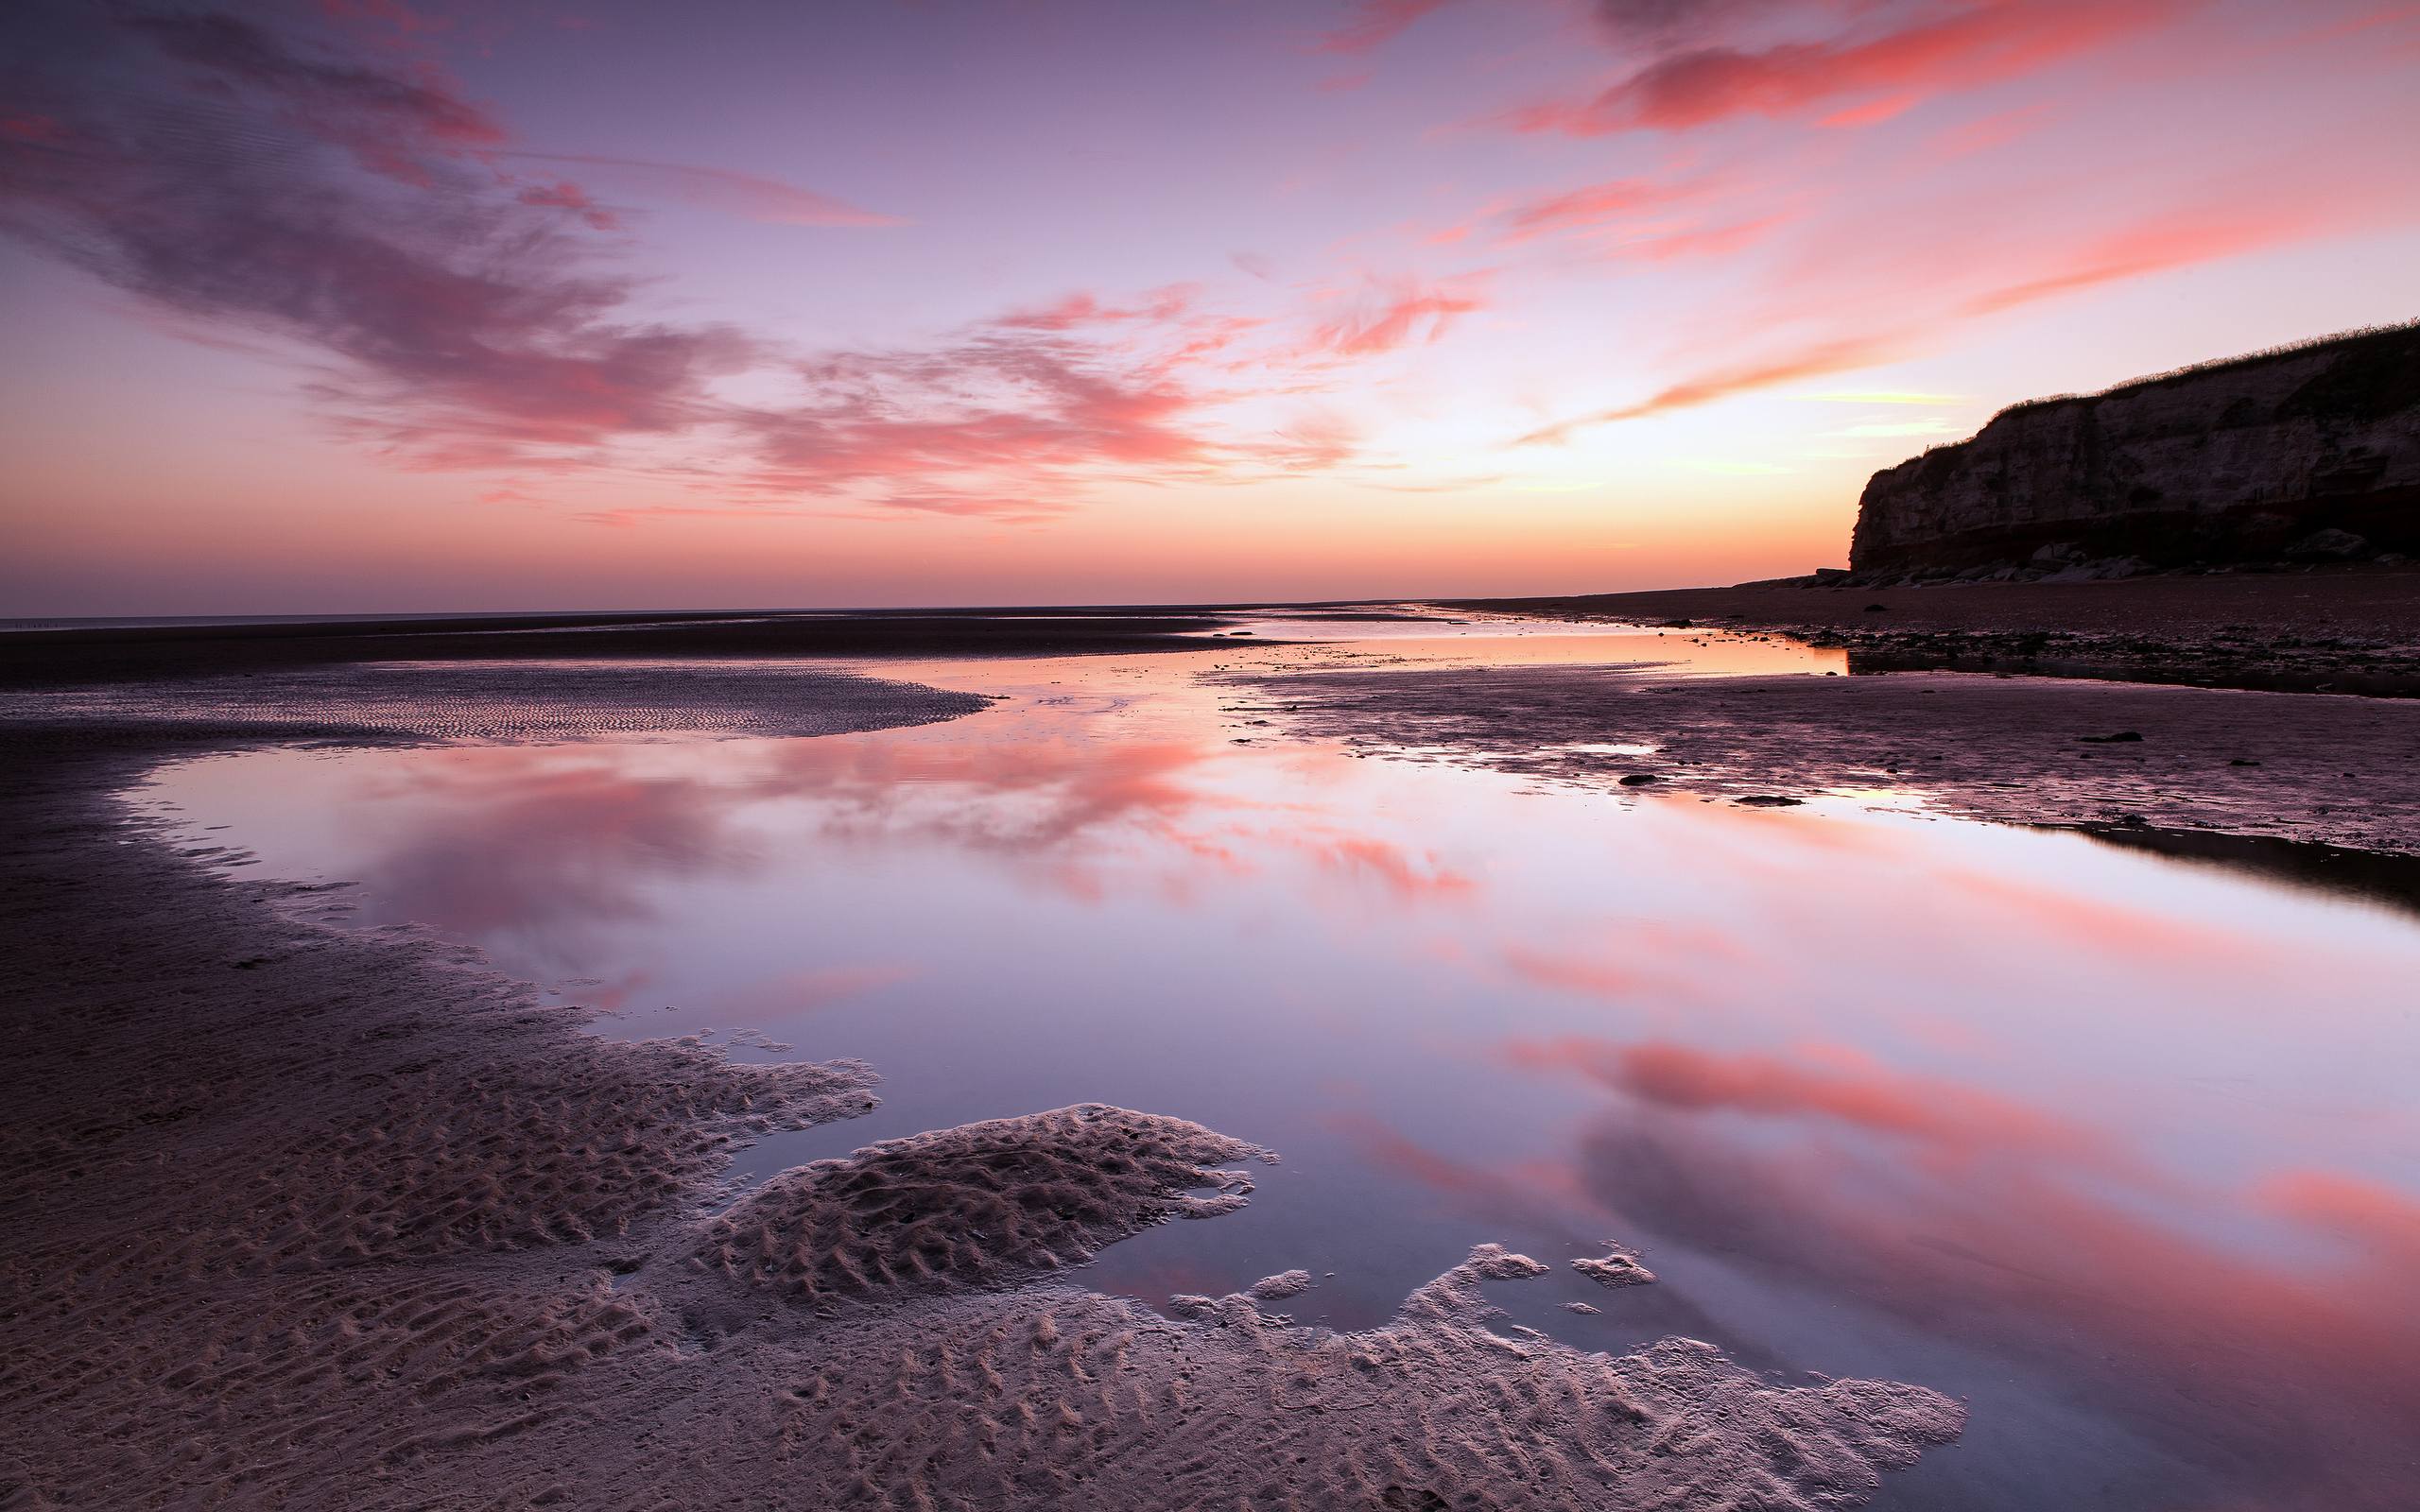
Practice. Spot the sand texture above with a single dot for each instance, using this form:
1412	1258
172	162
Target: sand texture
496	702
2326	769
300	1219
1614	1268
87	654
978	1206
1279	1287
2351	630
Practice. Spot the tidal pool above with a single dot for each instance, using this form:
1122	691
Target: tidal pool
2122	1150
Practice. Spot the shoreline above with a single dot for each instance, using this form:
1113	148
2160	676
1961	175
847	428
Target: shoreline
2352	629
41	659
2333	773
327	1218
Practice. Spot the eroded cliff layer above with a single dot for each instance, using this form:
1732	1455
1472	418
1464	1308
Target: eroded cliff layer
2233	462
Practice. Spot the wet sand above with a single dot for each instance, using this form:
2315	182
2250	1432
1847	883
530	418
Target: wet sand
2313	769
2354	629
74	655
304	1218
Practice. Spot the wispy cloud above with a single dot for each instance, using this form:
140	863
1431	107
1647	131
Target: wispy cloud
747	195
1087	309
1371	24
1852	315
1812	360
1592	207
1384	314
457	316
1003	423
1865	75
452	316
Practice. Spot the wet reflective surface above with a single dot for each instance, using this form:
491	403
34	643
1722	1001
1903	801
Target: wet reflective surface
2123	1150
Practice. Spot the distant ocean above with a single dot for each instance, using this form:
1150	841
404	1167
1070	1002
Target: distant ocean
153	622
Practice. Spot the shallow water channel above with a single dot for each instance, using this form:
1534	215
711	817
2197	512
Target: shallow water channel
2122	1150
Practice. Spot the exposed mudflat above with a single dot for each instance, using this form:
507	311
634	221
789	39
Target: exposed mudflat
305	1219
488	701
2352	629
2330	769
75	654
1614	1269
982	1205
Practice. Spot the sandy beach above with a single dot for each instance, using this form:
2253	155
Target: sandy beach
311	1218
2321	769
2335	629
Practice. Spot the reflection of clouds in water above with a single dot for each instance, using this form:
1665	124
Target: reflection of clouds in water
554	846
1971	1216
510	840
1949	1121
1074	806
1761	1021
1020	798
811	988
1535	1196
1541	1198
1403	872
2277	1339
1629	960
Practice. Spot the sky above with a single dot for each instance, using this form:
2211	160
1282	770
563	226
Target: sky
350	306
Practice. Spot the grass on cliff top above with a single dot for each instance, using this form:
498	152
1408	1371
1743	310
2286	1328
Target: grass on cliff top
2377	375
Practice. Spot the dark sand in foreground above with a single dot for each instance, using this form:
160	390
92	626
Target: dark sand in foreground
307	1218
302	1218
2314	769
2354	629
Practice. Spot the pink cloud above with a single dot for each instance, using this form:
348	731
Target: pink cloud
566	195
2176	240
1813	360
1708	243
1373	23
1987	132
747	195
1587	209
461	322
390	122
1024	412
1396	312
1954	45
461	325
1858	305
1160	305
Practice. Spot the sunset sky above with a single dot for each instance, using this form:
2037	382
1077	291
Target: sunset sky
362	305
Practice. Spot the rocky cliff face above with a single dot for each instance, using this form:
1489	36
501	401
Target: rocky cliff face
2312	451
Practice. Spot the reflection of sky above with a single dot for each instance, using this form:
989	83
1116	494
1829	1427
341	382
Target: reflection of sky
2121	1149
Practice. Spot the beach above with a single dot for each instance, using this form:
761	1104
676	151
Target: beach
321	1218
323	1208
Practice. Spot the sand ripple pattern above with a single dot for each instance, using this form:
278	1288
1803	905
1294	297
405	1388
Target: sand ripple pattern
503	701
295	1219
2014	749
1057	1398
977	1206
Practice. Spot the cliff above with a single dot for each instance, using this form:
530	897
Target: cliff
2310	451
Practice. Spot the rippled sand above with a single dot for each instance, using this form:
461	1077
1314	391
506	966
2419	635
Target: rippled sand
309	1219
